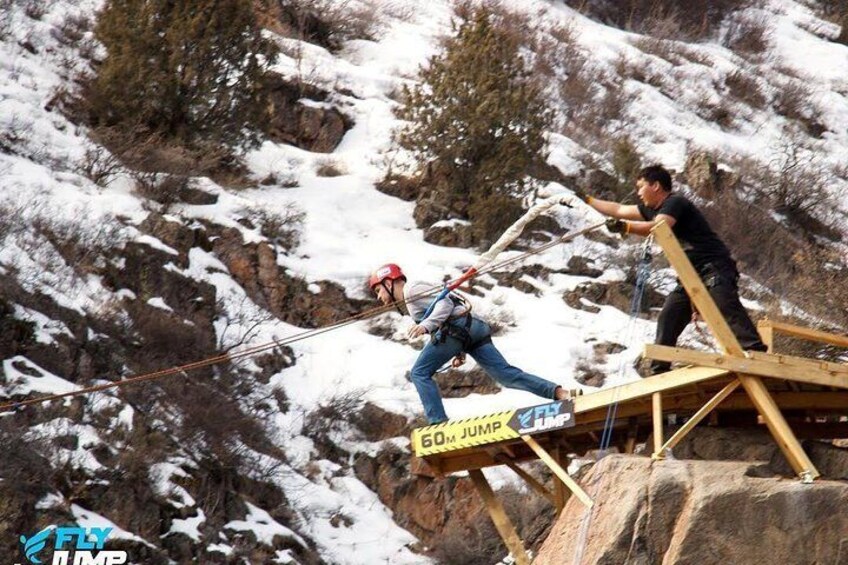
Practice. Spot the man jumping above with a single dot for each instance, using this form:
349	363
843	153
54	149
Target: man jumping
453	332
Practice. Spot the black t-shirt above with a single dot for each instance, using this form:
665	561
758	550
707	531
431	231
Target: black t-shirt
697	238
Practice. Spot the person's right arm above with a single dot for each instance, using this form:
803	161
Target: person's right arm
616	210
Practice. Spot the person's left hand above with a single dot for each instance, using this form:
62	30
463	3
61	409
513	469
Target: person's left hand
617	226
415	331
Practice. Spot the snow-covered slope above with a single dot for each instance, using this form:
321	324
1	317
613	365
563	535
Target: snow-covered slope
349	227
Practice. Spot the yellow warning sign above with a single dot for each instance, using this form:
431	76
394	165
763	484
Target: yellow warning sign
492	428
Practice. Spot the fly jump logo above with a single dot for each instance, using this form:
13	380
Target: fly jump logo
545	417
72	545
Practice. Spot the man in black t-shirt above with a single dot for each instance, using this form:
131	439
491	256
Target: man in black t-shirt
708	254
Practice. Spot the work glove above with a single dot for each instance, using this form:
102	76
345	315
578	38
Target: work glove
581	194
615	225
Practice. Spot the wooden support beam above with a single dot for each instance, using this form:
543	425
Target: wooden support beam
560	492
657	417
755	388
804	333
502	522
698	416
632	434
558	471
762	364
766	331
531	481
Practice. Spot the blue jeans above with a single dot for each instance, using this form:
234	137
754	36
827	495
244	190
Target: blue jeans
437	352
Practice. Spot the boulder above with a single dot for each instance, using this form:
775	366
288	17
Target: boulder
675	511
298	115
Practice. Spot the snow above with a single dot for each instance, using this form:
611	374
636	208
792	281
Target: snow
24	377
263	525
349	228
88	519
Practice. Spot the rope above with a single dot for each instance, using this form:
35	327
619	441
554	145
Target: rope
251	351
642	273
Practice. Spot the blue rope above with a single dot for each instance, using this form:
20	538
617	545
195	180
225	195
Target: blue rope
445	291
643	271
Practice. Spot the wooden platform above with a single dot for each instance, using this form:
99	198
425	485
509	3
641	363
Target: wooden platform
793	397
818	410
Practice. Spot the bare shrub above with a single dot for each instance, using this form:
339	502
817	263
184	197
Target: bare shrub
760	244
167	340
479	544
72	29
26	472
36	9
160	187
15	133
579	89
328	417
748	34
100	165
6	18
796	184
793	101
329	168
239	324
84	250
745	87
694	21
662	48
329	23
837	12
282	228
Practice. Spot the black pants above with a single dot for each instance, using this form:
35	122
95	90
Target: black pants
722	283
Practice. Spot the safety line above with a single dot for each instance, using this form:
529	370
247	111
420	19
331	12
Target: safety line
251	351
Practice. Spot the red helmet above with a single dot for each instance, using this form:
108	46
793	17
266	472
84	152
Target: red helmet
389	271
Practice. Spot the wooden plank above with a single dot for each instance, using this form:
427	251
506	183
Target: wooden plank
800	362
699	415
762	364
790	400
755	388
558	471
657	418
645	387
807	333
499	517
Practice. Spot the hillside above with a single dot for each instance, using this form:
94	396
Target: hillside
121	258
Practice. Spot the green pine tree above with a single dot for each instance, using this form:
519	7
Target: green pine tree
479	113
189	70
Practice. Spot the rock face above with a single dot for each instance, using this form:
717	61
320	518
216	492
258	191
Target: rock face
706	179
298	115
698	512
